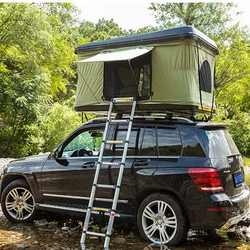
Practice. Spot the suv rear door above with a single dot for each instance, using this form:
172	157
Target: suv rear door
225	157
141	160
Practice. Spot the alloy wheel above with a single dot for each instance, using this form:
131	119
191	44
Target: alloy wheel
20	203
159	222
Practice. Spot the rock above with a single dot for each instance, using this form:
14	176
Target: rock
22	246
247	233
41	223
57	231
194	236
235	235
4	162
65	228
75	228
119	241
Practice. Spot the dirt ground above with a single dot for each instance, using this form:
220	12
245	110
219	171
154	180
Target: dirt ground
64	234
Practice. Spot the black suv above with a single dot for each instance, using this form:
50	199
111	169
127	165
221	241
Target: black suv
179	174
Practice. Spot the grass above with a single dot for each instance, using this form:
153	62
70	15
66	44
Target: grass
247	180
247	170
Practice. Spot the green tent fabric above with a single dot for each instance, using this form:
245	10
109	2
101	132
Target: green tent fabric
176	70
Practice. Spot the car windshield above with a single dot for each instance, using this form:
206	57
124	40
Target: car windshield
219	143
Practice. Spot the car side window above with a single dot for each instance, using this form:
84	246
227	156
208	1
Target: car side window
169	141
142	141
147	142
120	134
87	143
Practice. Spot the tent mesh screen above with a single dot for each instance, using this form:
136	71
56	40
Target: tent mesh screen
205	77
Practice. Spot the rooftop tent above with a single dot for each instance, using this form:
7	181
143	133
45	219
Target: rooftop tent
168	70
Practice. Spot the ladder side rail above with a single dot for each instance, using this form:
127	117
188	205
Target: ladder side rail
97	172
119	180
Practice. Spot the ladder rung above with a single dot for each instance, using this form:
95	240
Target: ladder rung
106	213
114	142
119	121
96	234
105	186
123	99
102	209
111	163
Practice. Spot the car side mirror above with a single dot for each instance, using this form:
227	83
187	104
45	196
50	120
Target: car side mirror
55	154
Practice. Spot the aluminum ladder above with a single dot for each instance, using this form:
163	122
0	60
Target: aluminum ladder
107	211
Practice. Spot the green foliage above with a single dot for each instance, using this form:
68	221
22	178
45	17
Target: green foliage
239	128
142	30
52	128
210	18
36	54
107	29
102	30
233	73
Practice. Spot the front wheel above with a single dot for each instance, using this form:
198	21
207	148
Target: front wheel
161	220
18	203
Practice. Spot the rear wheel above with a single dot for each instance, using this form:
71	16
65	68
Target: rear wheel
161	220
18	203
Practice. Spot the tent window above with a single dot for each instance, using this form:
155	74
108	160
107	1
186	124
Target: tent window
124	79
205	77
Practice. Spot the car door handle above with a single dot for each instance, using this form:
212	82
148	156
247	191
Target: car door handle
89	164
142	162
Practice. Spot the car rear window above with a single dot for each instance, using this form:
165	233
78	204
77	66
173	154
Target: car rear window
219	143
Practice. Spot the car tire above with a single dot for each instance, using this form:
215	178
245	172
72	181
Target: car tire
18	203
161	220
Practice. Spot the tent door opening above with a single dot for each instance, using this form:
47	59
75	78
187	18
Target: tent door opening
128	78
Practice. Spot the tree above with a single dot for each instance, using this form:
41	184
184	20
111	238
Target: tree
57	121
210	18
107	29
102	30
36	55
233	72
24	39
142	30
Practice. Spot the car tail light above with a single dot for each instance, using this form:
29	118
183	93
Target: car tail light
206	179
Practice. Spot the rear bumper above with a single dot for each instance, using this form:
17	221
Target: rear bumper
235	220
242	206
219	211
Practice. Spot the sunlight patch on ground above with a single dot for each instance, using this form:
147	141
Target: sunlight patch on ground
8	237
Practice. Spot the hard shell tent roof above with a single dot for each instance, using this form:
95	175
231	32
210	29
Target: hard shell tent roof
169	70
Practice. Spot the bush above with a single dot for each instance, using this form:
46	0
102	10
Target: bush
239	128
52	128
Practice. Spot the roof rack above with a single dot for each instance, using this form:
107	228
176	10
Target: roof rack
146	117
